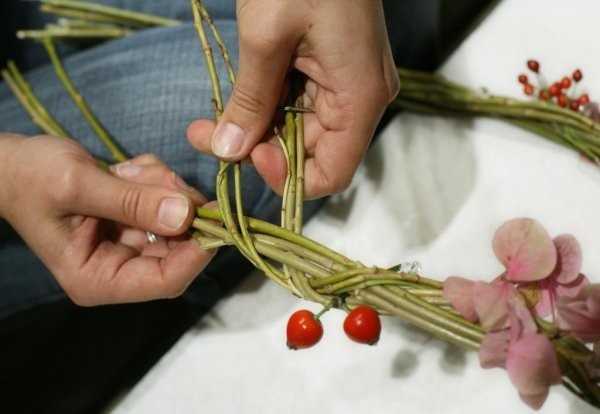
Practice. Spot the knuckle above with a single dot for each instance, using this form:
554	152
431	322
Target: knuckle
340	184
332	184
67	188
263	40
245	101
132	204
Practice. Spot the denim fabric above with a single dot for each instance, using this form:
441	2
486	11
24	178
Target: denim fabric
145	89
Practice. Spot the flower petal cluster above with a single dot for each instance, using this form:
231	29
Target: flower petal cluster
580	315
539	272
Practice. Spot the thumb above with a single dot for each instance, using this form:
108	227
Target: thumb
252	104
158	209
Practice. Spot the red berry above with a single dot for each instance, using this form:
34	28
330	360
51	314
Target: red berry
363	325
577	75
543	95
562	100
523	79
303	330
565	83
528	89
583	99
533	65
554	89
574	105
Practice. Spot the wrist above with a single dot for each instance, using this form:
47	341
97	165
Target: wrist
8	143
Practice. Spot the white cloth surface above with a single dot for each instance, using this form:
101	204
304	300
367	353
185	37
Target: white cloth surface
432	190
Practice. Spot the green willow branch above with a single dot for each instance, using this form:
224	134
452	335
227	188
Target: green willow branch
29	102
79	34
108	142
32	105
434	95
98	12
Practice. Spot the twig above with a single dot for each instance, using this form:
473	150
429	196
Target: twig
88	10
115	152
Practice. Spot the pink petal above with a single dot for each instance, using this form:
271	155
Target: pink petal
459	292
593	299
521	319
581	315
532	365
535	401
492	353
490	303
580	323
551	291
547	299
572	288
568	264
525	248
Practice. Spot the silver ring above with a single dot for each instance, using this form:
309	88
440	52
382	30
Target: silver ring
152	238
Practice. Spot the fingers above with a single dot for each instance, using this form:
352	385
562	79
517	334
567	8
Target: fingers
88	191
116	273
266	45
199	134
348	91
149	169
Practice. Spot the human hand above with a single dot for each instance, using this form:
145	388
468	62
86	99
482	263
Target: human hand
342	49
84	223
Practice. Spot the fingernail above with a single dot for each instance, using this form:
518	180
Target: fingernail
126	170
173	212
228	141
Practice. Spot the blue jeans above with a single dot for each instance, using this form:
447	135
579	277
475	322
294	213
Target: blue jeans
145	89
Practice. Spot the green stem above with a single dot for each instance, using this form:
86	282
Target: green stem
76	34
112	13
115	152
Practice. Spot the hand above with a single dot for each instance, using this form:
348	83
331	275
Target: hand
342	48
88	225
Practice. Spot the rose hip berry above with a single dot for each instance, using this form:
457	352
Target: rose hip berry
303	330
560	93
562	100
523	79
533	65
363	325
583	99
554	89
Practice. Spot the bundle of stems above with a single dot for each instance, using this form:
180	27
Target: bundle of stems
301	265
433	94
85	21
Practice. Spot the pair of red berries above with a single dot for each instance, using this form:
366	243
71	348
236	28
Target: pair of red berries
557	92
304	329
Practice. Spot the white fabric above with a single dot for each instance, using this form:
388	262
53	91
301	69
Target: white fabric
432	190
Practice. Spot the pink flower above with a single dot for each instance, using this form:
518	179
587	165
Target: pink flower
527	356
581	315
542	270
487	303
539	269
565	279
526	250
